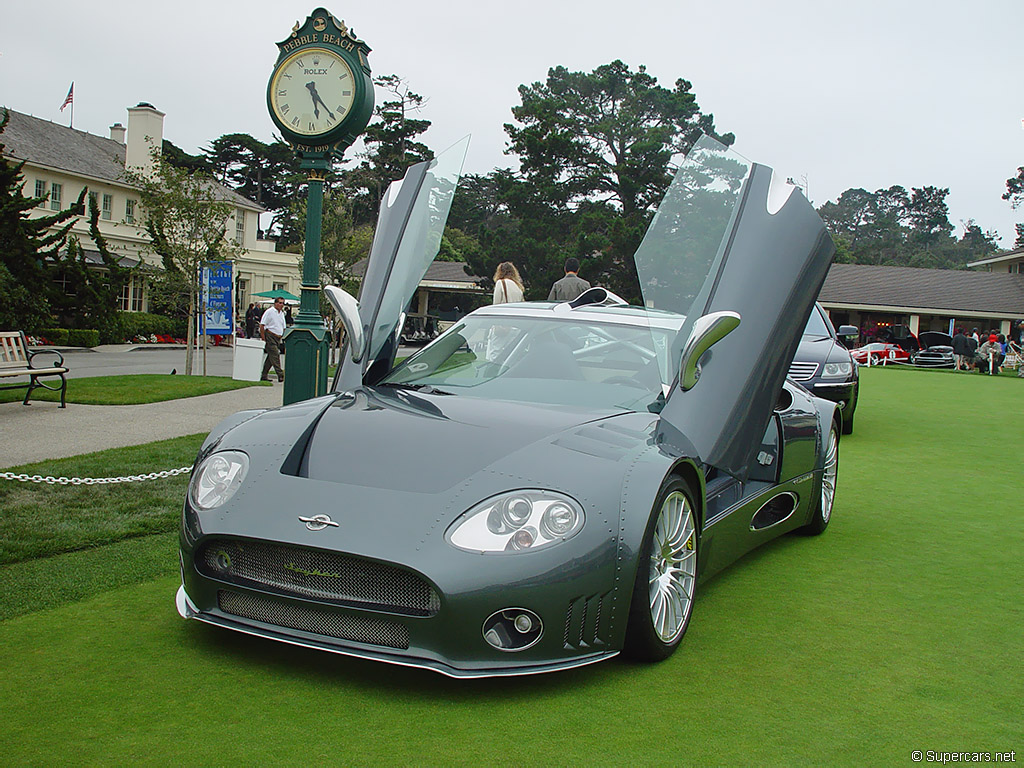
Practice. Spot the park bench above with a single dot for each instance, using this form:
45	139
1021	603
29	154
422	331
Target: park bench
16	360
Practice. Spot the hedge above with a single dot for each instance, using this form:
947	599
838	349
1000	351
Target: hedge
146	324
83	337
56	336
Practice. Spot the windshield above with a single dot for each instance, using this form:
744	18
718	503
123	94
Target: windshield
571	361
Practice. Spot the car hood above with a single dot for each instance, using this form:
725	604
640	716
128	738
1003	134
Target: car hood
405	440
935	339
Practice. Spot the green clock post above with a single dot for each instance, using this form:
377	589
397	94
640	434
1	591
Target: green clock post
320	96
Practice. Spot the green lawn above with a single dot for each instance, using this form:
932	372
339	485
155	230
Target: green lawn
132	389
897	630
79	516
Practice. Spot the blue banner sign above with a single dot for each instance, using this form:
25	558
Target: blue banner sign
218	279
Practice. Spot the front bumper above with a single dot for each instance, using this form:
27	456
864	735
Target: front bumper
844	393
187	610
574	588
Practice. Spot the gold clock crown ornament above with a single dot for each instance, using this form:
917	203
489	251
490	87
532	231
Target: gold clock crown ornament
320	93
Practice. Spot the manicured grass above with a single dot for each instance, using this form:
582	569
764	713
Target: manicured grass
39	520
899	629
133	389
48	582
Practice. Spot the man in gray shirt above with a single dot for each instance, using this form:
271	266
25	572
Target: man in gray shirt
570	286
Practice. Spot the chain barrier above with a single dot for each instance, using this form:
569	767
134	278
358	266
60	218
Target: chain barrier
92	480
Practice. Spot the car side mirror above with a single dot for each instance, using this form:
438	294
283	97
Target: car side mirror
846	331
348	310
707	331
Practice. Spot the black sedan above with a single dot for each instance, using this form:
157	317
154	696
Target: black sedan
825	367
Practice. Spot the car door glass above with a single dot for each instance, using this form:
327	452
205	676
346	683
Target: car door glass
420	241
685	239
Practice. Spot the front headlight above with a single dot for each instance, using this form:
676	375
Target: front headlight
835	370
217	479
517	522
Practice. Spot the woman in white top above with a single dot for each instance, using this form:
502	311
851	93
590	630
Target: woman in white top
508	285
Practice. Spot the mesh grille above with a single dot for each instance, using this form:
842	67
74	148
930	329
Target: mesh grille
802	371
318	575
357	628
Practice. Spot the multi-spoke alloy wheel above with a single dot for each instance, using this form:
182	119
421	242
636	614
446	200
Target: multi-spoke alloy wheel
673	567
666	577
829	472
828	478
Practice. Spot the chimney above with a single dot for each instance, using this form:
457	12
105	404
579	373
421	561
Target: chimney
117	133
145	132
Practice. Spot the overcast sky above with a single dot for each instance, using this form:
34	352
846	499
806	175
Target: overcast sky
866	94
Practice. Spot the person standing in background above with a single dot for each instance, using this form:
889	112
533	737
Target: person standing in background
570	286
272	327
251	316
508	285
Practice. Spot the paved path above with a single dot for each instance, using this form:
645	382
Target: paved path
43	430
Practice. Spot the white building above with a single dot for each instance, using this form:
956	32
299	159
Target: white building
59	161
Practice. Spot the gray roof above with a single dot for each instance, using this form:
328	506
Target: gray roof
438	271
999	258
949	291
44	142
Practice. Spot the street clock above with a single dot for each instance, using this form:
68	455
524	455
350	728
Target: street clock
320	93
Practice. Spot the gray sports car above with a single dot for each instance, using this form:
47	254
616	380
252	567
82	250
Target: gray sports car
545	484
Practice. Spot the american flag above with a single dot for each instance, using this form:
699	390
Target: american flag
70	99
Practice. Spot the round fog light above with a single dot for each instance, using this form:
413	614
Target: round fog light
512	629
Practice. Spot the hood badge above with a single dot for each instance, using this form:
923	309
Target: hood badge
318	522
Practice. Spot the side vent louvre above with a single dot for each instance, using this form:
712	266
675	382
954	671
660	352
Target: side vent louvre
583	628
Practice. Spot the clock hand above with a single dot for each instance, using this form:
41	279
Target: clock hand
311	87
316	98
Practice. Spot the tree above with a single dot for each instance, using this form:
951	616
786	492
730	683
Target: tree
391	147
28	245
596	151
928	215
185	215
894	227
265	173
179	158
1015	189
849	215
977	243
1015	195
607	135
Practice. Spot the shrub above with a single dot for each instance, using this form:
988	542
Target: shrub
83	337
146	324
56	336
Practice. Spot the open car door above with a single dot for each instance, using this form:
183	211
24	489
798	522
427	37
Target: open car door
410	224
728	239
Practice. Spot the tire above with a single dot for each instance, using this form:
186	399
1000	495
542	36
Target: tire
849	412
847	427
666	578
827	488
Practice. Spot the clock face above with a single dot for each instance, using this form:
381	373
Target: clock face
312	91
